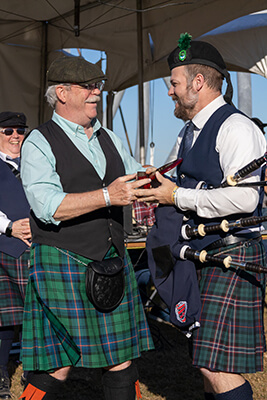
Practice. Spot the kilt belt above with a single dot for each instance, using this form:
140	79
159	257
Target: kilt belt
233	239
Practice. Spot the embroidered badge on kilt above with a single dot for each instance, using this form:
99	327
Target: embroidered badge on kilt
181	311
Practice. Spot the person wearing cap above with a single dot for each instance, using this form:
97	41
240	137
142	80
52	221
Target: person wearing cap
74	175
216	142
15	238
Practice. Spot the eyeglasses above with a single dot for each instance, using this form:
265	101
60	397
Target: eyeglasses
92	86
9	131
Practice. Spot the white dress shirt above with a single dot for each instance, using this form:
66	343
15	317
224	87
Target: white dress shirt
239	141
4	220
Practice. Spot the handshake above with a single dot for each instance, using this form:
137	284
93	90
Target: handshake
162	170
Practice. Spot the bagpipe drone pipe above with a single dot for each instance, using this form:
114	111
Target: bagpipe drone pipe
171	259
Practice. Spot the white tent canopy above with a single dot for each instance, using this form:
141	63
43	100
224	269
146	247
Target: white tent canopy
242	43
32	31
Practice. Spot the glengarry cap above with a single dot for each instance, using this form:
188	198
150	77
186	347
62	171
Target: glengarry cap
198	52
71	69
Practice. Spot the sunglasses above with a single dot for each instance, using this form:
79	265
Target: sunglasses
9	131
92	86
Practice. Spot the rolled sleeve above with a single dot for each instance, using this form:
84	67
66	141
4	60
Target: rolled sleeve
40	180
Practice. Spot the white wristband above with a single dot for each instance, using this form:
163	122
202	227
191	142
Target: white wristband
106	196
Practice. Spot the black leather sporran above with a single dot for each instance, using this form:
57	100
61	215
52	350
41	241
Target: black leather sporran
105	283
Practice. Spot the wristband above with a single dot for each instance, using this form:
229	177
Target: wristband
106	196
174	193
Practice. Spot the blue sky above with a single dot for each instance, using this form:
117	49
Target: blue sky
164	125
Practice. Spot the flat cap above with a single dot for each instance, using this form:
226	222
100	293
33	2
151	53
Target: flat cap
71	69
10	118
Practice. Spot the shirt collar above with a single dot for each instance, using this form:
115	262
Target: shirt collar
72	127
3	156
202	116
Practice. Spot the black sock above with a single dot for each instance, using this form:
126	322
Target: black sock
120	384
243	392
209	396
6	340
41	381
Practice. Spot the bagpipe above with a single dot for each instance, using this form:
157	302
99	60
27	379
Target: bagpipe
201	230
172	258
233	180
227	261
188	231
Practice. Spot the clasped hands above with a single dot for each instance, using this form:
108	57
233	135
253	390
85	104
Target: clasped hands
126	189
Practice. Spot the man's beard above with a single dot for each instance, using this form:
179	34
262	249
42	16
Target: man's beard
185	109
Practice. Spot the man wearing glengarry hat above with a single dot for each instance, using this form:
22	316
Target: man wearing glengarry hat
14	238
74	175
215	143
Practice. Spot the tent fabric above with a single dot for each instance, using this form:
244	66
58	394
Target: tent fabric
32	32
242	43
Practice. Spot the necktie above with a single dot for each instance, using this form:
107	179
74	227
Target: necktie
186	143
15	160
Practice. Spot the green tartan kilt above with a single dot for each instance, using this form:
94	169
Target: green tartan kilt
231	337
61	327
13	281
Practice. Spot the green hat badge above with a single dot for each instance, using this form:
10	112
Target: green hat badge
184	44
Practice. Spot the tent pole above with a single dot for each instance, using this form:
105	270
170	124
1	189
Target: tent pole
140	82
110	99
244	93
43	69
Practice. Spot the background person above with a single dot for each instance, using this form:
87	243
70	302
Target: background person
230	340
73	172
14	238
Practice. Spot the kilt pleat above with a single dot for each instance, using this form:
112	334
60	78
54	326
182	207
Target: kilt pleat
231	337
13	282
61	327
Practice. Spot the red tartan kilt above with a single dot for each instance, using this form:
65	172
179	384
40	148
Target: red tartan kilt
13	280
231	337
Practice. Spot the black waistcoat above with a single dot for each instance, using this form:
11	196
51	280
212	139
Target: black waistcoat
14	204
92	234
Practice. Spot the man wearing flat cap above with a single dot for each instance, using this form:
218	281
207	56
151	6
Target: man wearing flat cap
74	176
14	238
215	143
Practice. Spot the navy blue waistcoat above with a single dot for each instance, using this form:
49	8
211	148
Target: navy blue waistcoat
202	164
14	204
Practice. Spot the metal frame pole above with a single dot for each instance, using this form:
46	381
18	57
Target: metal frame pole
140	82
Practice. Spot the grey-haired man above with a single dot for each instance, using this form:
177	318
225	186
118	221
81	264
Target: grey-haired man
73	172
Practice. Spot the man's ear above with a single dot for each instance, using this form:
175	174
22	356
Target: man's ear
198	82
61	93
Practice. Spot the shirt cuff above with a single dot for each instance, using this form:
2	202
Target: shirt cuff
185	199
47	212
3	224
